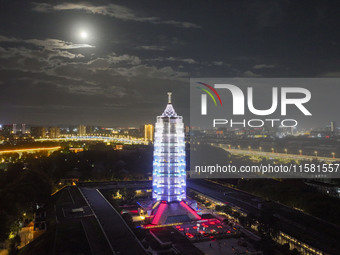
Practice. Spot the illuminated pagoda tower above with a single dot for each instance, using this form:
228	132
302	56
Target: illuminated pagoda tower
169	175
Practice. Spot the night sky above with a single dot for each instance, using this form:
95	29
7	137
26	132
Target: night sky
111	63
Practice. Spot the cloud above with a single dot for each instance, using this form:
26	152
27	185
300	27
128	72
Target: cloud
7	39
34	60
34	55
103	63
154	72
178	24
107	63
101	71
250	74
151	47
47	43
52	57
184	60
175	59
217	63
133	60
49	76
58	44
263	66
112	10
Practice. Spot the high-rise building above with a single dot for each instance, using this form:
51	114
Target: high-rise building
169	176
23	129
54	132
90	130
148	132
7	130
38	132
14	130
333	126
81	130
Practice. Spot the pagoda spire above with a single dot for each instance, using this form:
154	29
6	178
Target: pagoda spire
169	110
169	97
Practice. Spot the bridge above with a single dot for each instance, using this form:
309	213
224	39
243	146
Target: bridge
275	155
105	139
30	150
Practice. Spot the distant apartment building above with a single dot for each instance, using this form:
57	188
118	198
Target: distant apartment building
81	130
54	132
38	132
23	129
14	129
333	126
90	130
132	131
7	130
148	132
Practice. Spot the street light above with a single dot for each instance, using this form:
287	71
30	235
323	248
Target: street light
249	148
272	150
333	154
286	151
300	152
260	148
316	153
238	146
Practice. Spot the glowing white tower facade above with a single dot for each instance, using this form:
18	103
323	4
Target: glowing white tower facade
169	176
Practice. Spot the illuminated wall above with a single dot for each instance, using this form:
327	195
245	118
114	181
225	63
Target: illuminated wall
169	176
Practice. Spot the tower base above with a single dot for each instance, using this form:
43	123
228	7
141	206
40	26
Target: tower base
173	212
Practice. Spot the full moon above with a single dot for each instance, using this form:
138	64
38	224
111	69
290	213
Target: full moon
83	35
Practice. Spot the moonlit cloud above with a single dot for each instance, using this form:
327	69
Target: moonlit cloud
175	59
47	43
112	10
185	60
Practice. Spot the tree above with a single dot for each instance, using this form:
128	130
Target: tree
13	247
4	226
295	252
227	209
250	220
268	227
207	204
128	194
242	221
127	217
219	208
285	248
236	215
